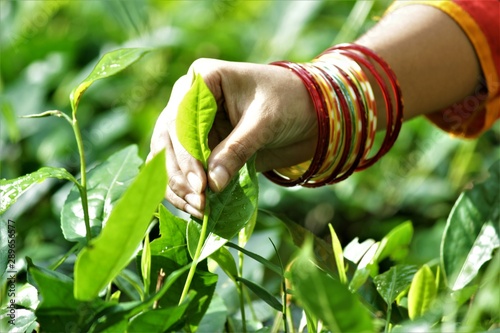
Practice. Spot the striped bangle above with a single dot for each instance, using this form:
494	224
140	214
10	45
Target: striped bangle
346	112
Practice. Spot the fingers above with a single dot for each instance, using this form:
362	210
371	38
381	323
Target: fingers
232	153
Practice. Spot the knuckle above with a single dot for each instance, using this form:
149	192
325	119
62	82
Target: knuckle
240	150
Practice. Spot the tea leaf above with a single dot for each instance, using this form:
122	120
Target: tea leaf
226	262
125	229
263	294
391	283
422	292
111	63
339	256
275	268
172	241
12	189
395	243
215	318
231	210
194	119
161	320
58	306
326	298
146	264
105	185
472	232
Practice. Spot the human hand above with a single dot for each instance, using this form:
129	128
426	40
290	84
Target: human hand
262	109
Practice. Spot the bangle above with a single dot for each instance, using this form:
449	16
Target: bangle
346	112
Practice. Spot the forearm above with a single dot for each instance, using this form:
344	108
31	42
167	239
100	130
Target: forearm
434	61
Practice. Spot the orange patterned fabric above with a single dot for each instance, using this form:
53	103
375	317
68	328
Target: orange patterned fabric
480	20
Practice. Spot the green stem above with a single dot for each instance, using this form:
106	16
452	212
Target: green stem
388	319
58	263
240	293
83	181
196	257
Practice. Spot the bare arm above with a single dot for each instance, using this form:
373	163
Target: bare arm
265	109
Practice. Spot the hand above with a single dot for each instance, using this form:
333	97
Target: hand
262	109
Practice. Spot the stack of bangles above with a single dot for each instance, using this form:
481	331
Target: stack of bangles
346	112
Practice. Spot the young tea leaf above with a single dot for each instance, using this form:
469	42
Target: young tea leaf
111	251
194	119
146	264
395	243
110	64
472	232
12	189
422	292
105	185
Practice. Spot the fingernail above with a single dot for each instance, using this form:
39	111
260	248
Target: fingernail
193	200
193	211
220	177
194	182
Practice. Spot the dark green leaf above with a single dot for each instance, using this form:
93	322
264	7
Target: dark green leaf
422	292
391	283
172	240
110	64
326	298
203	283
12	189
472	231
275	268
263	294
161	320
105	185
230	211
59	311
109	253
194	119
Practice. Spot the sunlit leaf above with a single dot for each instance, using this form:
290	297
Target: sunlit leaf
338	254
326	298
110	64
12	189
422	292
105	185
125	229
355	250
194	119
472	232
395	243
146	263
391	283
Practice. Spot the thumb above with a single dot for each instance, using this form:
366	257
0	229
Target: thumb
230	155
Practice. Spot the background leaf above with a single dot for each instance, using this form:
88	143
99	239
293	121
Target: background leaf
326	298
110	64
472	231
126	226
105	185
12	189
194	119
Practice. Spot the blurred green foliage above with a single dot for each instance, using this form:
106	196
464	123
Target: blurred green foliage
47	47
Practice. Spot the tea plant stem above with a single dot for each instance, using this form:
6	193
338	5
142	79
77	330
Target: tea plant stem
58	263
240	292
83	181
388	319
196	257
